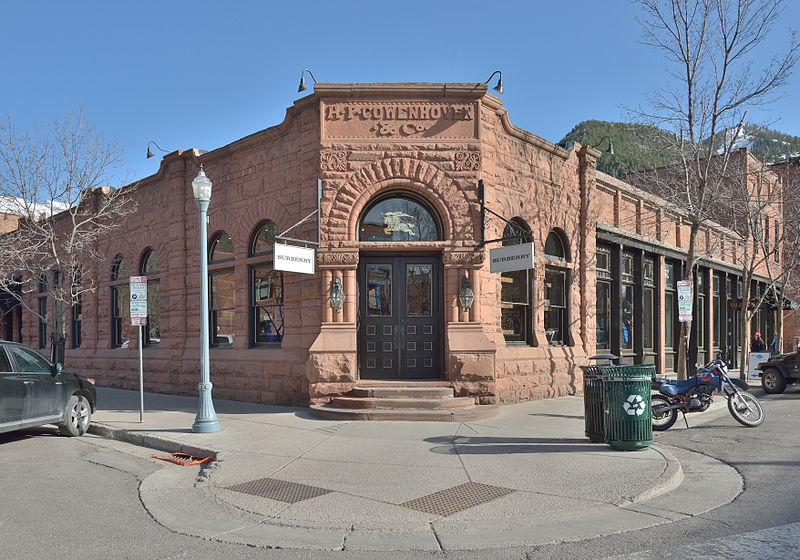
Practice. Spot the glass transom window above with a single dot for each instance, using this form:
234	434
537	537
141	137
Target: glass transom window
398	219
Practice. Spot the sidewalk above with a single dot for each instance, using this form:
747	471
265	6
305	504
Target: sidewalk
529	476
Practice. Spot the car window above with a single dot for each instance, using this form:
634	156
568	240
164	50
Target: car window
5	365
29	360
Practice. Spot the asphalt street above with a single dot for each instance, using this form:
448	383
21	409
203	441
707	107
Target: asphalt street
80	498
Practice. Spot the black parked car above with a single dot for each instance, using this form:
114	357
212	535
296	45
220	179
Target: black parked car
780	371
34	392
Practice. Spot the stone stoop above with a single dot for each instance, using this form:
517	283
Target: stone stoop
425	401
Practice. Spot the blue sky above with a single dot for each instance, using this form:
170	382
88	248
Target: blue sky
204	73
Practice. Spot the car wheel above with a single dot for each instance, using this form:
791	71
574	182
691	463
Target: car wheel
77	416
772	381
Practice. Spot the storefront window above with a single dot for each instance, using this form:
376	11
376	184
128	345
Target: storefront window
603	299
669	305
266	288
515	302
120	302
555	290
222	304
627	307
77	309
701	309
151	267
399	218
222	293
648	316
716	312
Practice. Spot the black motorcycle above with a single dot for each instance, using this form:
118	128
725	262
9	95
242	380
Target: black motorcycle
696	394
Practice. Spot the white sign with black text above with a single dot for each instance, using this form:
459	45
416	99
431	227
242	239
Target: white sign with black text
294	259
138	286
511	257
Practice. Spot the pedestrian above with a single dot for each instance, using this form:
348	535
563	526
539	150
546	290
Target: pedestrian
774	346
758	344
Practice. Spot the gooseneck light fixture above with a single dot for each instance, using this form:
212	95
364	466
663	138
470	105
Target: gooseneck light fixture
303	85
499	87
206	419
337	295
610	150
466	297
150	152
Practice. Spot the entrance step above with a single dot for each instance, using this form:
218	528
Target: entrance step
423	401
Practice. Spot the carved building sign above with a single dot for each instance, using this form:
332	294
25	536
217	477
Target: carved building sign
399	120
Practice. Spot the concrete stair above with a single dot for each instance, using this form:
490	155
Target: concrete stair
423	401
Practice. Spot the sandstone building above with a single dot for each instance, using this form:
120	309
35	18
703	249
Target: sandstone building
418	184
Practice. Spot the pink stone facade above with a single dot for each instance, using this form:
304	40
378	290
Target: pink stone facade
431	141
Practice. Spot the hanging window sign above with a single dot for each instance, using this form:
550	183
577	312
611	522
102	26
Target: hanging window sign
511	257
684	301
294	259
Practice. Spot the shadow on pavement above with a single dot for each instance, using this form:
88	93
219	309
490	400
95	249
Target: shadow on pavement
506	445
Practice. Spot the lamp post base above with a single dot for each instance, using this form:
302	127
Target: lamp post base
206	420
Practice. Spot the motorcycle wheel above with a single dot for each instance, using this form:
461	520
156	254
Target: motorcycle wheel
662	420
746	409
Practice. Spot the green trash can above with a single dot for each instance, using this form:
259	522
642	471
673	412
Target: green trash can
626	406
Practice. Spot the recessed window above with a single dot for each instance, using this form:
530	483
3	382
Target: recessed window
221	248
120	302
515	289
556	291
266	288
151	268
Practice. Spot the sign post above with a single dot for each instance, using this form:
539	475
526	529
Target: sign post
138	285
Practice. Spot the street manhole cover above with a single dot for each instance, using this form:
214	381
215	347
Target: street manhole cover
280	490
450	501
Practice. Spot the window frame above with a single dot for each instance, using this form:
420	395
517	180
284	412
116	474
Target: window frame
153	303
557	265
517	227
260	259
120	307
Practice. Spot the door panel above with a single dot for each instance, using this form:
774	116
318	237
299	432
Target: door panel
399	317
12	395
42	389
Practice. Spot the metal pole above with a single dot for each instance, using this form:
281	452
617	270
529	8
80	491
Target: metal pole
206	419
141	379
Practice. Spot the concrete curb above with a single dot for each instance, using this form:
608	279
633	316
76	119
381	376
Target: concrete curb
149	440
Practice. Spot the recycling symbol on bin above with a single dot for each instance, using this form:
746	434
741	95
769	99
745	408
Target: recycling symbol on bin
634	405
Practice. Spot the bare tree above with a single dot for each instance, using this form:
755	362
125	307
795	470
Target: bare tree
53	179
716	75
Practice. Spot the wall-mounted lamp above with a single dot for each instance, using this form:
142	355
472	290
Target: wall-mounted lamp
499	87
303	85
337	295
150	152
610	150
465	296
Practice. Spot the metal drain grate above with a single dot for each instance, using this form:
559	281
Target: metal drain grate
280	490
450	501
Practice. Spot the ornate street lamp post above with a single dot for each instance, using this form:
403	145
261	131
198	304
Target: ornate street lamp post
206	419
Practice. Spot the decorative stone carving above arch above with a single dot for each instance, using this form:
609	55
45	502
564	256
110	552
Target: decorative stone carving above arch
400	173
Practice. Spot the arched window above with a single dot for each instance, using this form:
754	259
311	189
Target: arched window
120	302
266	288
221	248
222	293
554	247
399	217
555	290
150	266
515	289
263	239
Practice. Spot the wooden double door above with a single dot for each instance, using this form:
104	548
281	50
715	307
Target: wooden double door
400	301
